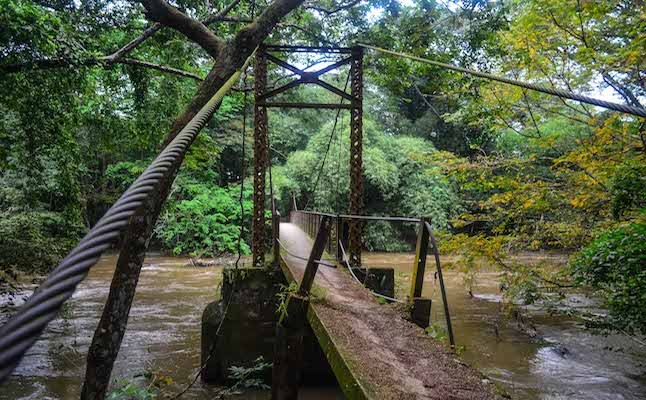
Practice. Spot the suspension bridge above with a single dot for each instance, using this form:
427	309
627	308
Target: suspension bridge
375	352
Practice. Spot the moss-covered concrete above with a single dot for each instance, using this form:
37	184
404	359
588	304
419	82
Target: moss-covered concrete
373	350
249	327
348	380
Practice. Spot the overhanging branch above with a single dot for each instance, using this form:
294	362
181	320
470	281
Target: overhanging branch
219	16
161	68
329	12
162	12
88	62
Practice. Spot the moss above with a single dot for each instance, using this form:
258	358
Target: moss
352	387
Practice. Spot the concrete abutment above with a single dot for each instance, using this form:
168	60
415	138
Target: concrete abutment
249	328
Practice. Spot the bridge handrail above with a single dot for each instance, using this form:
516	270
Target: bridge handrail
425	239
361	217
24	327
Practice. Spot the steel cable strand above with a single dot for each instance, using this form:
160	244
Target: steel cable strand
638	111
320	262
22	330
327	150
347	263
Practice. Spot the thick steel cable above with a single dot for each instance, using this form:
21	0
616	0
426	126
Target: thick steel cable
22	330
638	111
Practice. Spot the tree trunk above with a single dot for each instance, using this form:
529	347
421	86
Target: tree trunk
109	333
112	326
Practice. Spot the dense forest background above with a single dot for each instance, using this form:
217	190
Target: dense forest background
499	169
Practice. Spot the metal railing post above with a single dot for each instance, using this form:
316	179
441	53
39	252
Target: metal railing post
317	252
276	236
339	237
436	253
419	268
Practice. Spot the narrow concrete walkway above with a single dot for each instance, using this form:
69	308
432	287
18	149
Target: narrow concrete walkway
375	353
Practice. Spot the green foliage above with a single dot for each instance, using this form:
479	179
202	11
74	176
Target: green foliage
204	219
283	296
613	266
130	391
246	378
628	188
400	178
437	332
33	241
381	235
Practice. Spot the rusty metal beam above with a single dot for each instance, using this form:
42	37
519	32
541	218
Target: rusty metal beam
279	90
356	156
334	89
260	154
419	267
285	64
332	67
307	77
318	247
305	105
300	72
308	49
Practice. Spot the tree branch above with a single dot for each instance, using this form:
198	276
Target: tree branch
623	91
219	16
120	53
334	10
161	68
162	12
135	42
100	61
419	92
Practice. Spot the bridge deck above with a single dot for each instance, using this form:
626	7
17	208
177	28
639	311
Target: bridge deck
374	352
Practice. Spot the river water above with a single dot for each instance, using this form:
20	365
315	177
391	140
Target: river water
163	336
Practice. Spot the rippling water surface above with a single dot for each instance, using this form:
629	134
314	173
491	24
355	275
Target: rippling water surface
561	361
163	334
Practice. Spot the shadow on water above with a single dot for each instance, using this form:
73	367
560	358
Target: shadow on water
561	362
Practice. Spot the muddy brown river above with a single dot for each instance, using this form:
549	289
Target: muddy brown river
163	335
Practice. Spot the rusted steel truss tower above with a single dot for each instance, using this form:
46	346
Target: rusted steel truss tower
352	56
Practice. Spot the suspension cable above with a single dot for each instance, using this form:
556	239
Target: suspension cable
22	330
240	237
327	150
638	111
347	263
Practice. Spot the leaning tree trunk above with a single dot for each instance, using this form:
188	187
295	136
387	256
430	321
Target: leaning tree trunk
112	326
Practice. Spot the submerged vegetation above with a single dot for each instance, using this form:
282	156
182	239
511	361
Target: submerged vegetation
497	168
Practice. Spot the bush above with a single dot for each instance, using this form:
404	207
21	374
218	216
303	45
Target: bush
383	236
202	219
35	241
628	188
614	266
